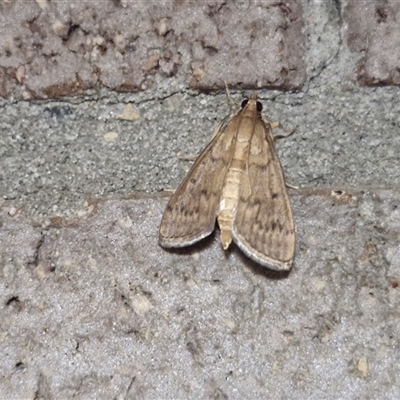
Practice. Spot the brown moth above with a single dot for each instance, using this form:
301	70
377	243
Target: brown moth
238	181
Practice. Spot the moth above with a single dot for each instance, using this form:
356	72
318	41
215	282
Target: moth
238	181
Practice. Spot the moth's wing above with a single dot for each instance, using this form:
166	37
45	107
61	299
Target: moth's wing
263	227
191	212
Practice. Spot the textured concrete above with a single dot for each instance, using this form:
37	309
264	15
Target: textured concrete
63	48
373	32
97	310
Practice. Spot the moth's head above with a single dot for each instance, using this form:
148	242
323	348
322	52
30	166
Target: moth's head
252	102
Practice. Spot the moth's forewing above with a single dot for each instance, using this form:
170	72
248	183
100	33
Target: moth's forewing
191	212
263	226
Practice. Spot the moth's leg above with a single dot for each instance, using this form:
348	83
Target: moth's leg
277	124
288	185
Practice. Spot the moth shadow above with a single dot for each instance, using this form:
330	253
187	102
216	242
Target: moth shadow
199	246
257	268
207	243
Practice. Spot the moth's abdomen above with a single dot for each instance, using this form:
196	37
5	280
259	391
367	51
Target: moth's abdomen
230	194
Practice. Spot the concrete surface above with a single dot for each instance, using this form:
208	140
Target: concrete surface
64	48
98	310
91	307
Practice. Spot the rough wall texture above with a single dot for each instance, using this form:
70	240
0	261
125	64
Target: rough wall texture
63	48
103	312
373	30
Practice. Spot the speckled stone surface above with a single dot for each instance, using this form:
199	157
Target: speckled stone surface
98	300
91	307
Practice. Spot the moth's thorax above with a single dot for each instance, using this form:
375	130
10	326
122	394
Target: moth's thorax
247	120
